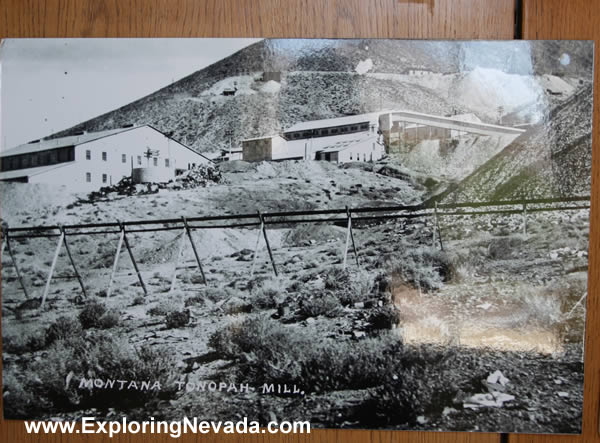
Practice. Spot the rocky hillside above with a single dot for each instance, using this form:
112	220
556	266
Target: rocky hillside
552	159
326	78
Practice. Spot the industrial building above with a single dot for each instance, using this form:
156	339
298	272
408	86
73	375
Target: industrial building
88	161
403	129
341	139
365	137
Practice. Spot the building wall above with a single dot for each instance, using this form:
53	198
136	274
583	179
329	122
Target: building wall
257	150
417	133
112	158
267	76
367	151
281	150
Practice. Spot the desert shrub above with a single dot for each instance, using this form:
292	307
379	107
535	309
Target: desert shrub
268	352
384	317
383	283
96	315
18	401
194	300
349	287
102	358
217	294
539	307
336	278
423	267
236	305
430	182
321	304
23	341
295	286
503	248
90	314
62	329
270	293
138	300
109	319
311	264
163	308
177	319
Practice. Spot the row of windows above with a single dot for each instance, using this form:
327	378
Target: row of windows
55	156
88	177
329	131
364	157
88	156
36	159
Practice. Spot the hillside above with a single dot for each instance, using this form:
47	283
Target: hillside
329	78
452	161
552	159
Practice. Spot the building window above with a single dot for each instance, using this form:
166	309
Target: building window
155	161
324	131
345	129
334	131
88	177
104	178
353	128
139	159
167	163
104	156
88	154
351	156
123	158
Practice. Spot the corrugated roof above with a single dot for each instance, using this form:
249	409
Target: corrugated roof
29	172
260	138
372	117
71	140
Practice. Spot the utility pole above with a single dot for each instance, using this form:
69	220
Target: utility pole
229	134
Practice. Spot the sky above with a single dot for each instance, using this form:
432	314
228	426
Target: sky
47	85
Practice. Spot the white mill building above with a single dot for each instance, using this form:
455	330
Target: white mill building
88	161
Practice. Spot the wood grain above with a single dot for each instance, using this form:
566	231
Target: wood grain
578	20
492	19
441	19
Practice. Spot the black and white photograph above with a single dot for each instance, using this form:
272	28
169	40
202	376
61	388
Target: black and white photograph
358	233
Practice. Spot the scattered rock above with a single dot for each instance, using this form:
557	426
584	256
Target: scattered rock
494	400
201	175
497	378
448	411
359	334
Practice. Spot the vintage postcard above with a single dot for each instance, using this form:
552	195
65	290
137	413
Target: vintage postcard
376	234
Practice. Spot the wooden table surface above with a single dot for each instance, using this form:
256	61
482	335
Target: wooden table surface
439	19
